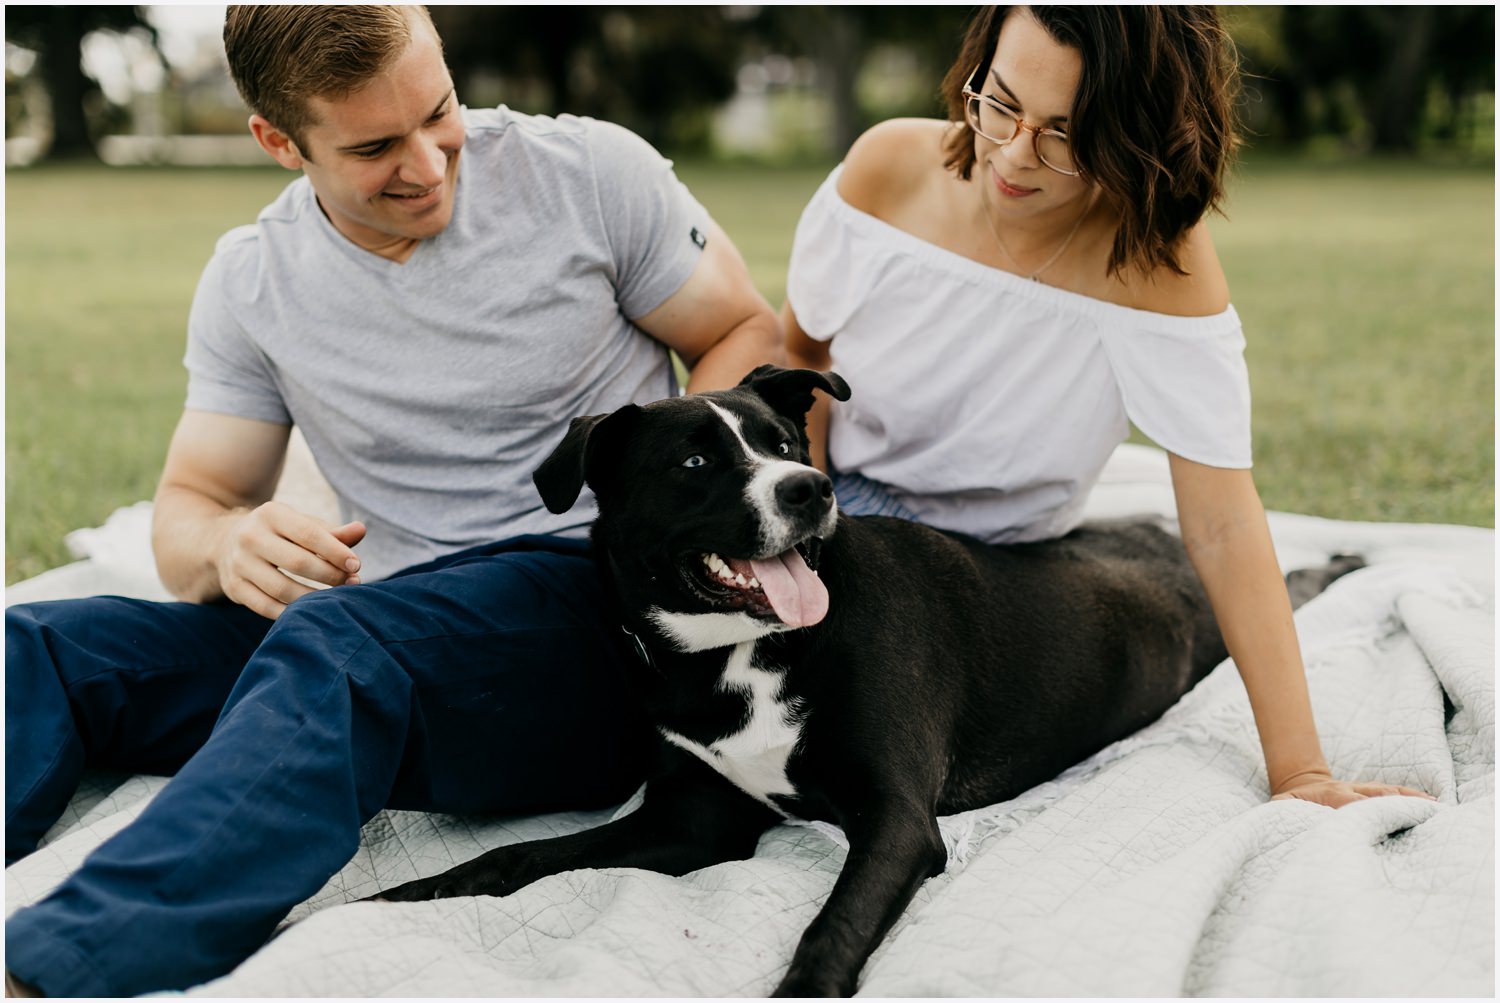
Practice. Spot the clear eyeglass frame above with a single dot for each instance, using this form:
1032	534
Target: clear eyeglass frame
972	106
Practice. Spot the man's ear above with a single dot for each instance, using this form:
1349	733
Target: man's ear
277	143
589	452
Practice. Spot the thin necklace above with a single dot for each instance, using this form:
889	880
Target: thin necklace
1036	275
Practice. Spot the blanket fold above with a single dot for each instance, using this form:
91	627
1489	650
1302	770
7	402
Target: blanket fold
1156	868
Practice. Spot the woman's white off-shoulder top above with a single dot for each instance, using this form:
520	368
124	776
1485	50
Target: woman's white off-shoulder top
988	403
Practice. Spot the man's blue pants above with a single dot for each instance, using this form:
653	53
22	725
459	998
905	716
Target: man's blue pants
488	681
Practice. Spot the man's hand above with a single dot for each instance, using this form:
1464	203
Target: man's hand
274	540
216	532
1321	788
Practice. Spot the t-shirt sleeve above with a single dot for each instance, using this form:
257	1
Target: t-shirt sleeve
829	275
227	373
655	228
1186	386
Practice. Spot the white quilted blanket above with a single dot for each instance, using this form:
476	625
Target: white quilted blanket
1157	868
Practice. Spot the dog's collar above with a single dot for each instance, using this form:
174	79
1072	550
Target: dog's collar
641	651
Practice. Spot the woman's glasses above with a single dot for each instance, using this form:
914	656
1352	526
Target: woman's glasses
1000	124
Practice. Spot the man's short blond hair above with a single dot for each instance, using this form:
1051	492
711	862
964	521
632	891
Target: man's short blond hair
280	55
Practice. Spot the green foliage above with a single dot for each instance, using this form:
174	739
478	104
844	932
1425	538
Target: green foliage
656	70
1391	78
1367	292
1388	77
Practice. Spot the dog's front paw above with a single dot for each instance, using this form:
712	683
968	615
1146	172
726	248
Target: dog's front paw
492	873
804	984
421	890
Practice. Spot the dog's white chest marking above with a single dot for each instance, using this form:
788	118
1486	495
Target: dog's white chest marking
702	631
754	758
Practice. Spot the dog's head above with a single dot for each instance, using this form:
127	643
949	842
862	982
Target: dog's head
709	512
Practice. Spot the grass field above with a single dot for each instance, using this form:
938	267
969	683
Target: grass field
1367	292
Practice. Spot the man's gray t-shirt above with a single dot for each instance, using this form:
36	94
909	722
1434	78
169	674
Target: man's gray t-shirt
430	391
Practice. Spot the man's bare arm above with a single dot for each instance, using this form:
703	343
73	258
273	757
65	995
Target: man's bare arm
217	534
717	322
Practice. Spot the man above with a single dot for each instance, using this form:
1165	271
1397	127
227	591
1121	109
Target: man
429	303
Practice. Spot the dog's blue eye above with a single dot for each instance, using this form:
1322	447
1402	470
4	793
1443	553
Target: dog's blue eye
785	448
694	461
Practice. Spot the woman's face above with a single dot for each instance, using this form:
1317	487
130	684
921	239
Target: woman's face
1037	77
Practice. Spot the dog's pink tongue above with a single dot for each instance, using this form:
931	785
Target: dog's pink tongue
798	596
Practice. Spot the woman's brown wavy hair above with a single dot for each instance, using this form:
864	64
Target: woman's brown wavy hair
1153	123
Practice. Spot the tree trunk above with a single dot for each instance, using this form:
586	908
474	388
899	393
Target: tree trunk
62	71
1395	103
1290	101
841	51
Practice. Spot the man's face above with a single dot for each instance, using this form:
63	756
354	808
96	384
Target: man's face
384	160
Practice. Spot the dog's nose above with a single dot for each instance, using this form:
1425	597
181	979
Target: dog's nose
805	491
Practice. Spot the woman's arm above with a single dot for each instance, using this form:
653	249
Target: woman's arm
803	352
884	174
1228	541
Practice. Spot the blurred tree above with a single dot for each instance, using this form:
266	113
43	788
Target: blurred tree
833	38
1325	68
648	68
655	68
540	43
55	32
1464	39
839	39
1395	95
1387	75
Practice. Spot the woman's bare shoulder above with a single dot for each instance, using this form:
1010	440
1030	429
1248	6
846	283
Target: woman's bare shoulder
891	164
1202	292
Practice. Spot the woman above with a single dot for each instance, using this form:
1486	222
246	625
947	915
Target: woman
1008	290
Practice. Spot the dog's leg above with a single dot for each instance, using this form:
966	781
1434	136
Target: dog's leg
1304	584
892	850
691	818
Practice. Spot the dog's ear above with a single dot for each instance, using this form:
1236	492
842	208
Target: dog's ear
790	391
586	454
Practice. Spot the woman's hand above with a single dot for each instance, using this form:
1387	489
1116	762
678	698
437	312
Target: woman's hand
1321	788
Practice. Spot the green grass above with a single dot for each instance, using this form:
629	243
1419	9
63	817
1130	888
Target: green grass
100	269
758	207
1367	292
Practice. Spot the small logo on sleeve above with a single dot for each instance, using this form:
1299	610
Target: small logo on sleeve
698	238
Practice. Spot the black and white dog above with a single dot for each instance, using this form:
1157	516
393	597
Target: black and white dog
869	672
